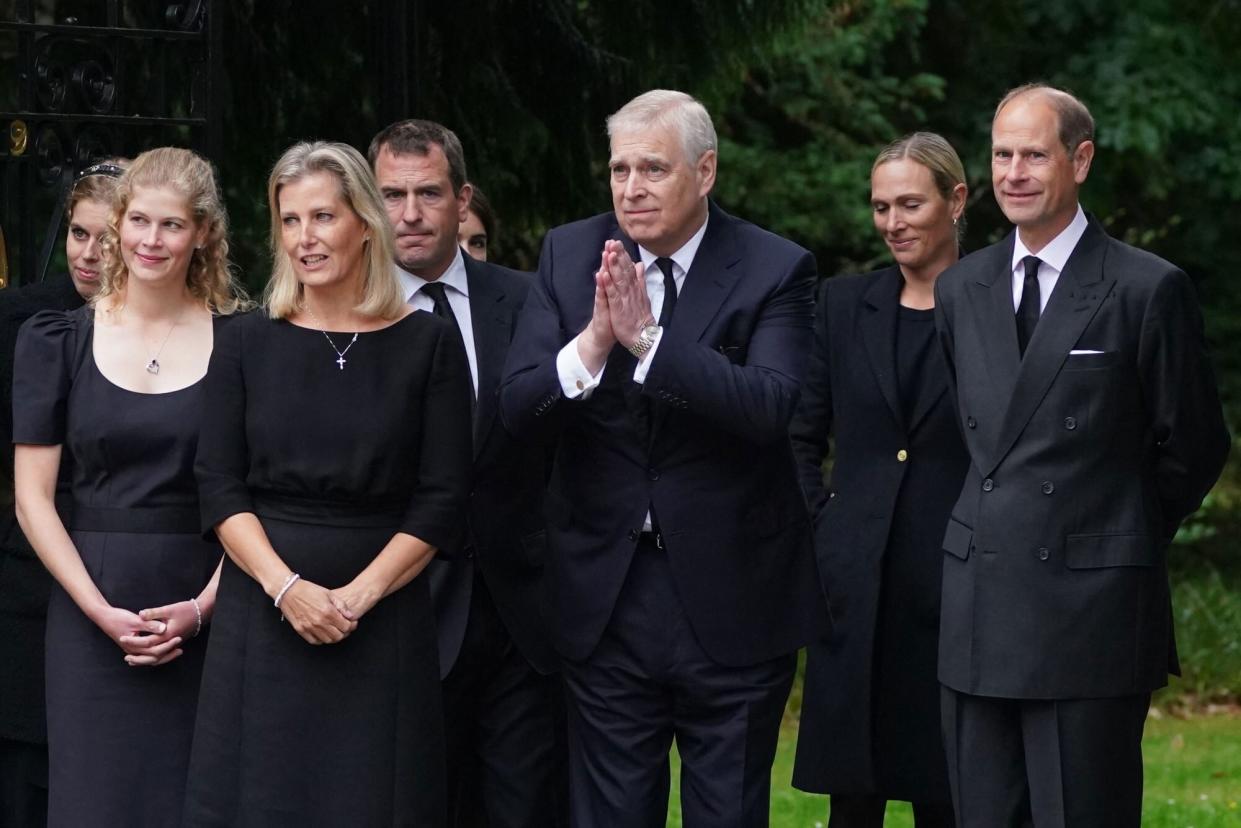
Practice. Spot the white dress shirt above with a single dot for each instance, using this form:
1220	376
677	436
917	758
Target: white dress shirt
457	290
575	380
1052	260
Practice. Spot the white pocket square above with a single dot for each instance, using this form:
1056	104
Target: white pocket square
1076	353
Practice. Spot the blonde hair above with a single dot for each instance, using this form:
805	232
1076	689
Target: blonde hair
932	151
209	275
381	292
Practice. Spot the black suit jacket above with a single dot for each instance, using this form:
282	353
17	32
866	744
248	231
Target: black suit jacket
24	583
877	529
717	469
1082	465
505	538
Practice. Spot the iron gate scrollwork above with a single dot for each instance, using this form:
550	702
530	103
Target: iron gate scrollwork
93	79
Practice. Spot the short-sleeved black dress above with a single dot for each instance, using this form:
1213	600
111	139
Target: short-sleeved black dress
334	460
118	736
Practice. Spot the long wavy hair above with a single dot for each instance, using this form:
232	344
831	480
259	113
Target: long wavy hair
209	276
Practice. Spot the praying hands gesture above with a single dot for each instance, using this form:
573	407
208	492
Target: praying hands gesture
621	309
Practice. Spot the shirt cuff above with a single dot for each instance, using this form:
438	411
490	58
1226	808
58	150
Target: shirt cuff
644	362
575	380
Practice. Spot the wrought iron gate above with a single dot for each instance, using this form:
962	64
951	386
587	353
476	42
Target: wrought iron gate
93	79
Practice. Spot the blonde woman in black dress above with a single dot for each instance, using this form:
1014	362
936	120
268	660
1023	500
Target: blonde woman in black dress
334	463
878	385
117	386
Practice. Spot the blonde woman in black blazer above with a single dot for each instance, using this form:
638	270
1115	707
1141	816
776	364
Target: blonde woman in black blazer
877	384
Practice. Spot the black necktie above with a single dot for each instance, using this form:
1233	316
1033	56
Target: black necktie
444	310
1028	310
670	292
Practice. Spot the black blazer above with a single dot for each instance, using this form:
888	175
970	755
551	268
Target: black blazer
893	482
718	468
1082	465
505	516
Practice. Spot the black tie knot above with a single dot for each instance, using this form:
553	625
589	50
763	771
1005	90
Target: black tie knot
1029	308
670	291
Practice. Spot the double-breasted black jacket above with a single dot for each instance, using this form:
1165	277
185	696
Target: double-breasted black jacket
1085	456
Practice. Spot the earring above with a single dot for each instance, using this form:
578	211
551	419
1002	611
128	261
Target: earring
954	222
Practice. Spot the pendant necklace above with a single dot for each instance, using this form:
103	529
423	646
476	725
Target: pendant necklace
340	355
153	363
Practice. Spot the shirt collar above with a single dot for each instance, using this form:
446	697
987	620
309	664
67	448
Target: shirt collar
1056	253
454	277
683	257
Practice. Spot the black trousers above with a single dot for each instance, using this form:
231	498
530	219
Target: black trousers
648	682
1074	763
504	730
867	811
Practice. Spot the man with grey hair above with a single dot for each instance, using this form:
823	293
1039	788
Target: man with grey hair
1093	427
662	347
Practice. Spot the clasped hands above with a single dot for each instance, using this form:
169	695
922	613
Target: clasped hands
622	307
325	616
153	636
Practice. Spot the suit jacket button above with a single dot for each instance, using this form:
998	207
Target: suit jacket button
1070	423
1043	553
633	534
1048	487
971	422
902	456
652	474
988	485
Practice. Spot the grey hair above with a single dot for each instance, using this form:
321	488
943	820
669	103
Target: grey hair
1076	124
668	108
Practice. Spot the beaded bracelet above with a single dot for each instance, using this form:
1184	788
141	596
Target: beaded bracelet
198	616
288	582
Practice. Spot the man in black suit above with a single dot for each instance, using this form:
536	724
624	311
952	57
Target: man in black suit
501	694
682	576
1094	428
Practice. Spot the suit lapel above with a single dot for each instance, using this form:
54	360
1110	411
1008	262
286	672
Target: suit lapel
710	279
708	283
492	322
1076	298
878	325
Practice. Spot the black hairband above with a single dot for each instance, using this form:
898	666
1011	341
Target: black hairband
110	170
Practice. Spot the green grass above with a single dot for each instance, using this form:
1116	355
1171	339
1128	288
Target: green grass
1193	778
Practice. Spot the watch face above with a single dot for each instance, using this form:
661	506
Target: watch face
650	331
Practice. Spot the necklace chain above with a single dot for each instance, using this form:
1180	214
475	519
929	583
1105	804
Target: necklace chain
340	355
153	362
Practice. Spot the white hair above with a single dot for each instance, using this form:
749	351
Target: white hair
667	108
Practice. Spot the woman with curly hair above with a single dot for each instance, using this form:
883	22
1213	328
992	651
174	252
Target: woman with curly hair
116	386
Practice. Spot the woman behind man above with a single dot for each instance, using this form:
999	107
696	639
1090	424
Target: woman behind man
116	387
333	463
877	384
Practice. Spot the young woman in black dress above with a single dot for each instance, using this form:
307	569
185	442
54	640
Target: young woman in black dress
334	463
877	384
24	582
117	386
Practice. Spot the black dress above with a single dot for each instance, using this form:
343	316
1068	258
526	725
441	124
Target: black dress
118	736
334	460
24	588
876	384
